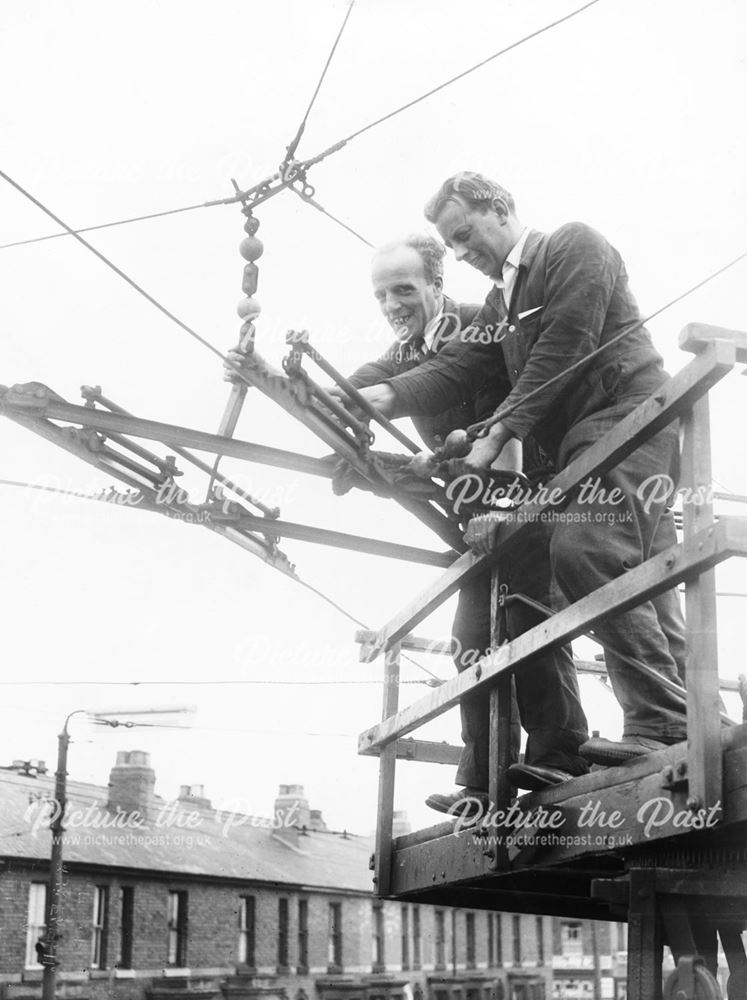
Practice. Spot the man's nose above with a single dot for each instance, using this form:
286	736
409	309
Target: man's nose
460	251
392	304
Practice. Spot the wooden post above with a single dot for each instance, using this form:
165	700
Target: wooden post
387	764
645	947
703	724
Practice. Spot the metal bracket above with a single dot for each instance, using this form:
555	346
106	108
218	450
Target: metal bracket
674	777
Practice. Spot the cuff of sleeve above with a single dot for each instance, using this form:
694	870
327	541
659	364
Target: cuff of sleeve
517	427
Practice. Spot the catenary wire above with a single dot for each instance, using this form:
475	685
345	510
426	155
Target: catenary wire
297	138
314	590
323	155
460	76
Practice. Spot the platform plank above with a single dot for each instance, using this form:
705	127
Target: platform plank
444	857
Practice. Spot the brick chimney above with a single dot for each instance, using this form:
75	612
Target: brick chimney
194	796
316	821
131	783
291	816
292	807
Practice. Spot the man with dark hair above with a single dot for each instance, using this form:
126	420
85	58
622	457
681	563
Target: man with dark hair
407	278
556	299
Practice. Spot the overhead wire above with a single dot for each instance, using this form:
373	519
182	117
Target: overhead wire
299	132
103	225
331	149
459	76
103	498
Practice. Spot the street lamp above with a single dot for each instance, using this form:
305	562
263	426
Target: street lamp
57	827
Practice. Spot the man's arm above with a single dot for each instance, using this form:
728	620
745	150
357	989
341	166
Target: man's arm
377	371
581	274
453	376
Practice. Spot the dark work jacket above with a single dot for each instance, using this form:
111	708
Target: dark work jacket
573	288
486	394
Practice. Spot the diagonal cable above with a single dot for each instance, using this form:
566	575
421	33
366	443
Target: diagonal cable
323	210
503	411
103	225
294	143
447	83
331	149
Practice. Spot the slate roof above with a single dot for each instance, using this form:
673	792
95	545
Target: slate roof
225	845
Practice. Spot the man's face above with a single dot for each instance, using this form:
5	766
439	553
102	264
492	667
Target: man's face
483	239
405	296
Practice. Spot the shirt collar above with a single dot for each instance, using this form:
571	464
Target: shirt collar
511	263
514	258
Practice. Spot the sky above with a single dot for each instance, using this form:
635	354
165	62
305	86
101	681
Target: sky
628	117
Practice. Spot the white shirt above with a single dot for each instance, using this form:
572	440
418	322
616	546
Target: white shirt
511	268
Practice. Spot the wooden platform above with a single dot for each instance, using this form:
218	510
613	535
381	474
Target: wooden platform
561	850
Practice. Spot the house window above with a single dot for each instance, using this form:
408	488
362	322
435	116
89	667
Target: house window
405	938
517	938
100	930
469	922
303	935
491	942
416	948
571	943
177	929
440	919
126	927
540	942
283	933
334	955
247	930
36	924
379	958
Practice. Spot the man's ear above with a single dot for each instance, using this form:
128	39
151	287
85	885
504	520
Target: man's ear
500	207
438	283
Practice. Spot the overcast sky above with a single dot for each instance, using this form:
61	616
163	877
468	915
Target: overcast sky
628	117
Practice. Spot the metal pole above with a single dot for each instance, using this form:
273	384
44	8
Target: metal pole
54	891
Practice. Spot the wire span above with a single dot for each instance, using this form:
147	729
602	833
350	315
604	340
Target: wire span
294	143
330	149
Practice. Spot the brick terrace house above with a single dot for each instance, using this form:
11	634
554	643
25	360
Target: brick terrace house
178	900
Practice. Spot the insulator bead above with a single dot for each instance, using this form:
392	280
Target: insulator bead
457	444
251	225
249	283
251	248
248	308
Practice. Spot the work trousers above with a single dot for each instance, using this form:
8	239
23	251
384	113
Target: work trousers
598	540
547	695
